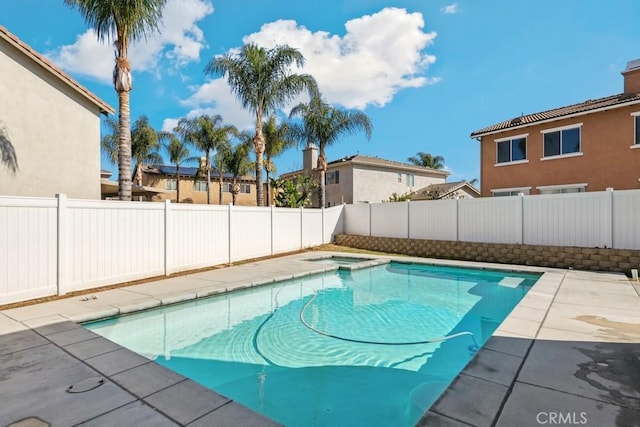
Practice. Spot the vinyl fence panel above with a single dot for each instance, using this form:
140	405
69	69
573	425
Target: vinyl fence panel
250	232
580	219
106	242
311	227
28	248
199	236
433	220
357	219
390	219
287	229
490	220
333	223
626	221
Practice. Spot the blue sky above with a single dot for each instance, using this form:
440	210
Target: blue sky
427	72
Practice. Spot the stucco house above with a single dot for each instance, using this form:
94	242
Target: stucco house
193	185
367	179
49	127
590	146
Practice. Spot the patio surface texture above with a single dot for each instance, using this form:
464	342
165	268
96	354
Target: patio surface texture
569	353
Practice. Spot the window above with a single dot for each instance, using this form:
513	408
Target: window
399	177
636	121
332	178
245	188
561	189
503	192
560	142
226	187
201	186
172	184
513	149
410	180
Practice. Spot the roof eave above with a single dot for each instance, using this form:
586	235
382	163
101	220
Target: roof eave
54	70
475	135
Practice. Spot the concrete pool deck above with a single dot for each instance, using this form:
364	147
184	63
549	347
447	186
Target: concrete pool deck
569	353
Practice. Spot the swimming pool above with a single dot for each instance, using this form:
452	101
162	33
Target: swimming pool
360	347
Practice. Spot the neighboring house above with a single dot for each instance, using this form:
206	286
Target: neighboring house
367	179
50	122
193	185
448	190
109	189
589	146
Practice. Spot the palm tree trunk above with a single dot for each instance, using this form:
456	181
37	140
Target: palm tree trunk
234	192
258	143
124	146
220	189
268	199
322	168
208	160
177	183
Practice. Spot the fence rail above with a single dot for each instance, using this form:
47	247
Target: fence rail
606	219
52	246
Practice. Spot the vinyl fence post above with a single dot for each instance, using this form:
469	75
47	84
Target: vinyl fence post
272	234
229	227
609	217
61	279
168	241
521	206
408	219
322	239
301	227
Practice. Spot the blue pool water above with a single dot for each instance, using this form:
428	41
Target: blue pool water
302	352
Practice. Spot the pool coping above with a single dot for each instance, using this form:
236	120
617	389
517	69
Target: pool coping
512	341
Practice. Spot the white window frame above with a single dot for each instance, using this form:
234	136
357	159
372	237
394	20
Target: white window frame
582	185
226	187
636	144
202	183
524	190
246	187
174	185
511	138
399	176
411	180
560	129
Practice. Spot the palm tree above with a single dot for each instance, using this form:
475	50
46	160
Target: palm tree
324	124
262	81
145	144
208	134
238	164
178	154
220	162
277	139
124	21
427	160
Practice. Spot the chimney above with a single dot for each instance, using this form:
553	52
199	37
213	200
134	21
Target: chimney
309	159
632	77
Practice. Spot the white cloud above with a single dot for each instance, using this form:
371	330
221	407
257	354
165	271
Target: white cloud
179	41
450	9
379	55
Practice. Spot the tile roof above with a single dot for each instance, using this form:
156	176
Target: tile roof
447	188
377	161
50	67
614	101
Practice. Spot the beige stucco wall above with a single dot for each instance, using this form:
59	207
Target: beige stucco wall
55	132
188	193
377	185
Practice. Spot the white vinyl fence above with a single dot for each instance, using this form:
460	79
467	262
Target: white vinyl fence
595	219
53	246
